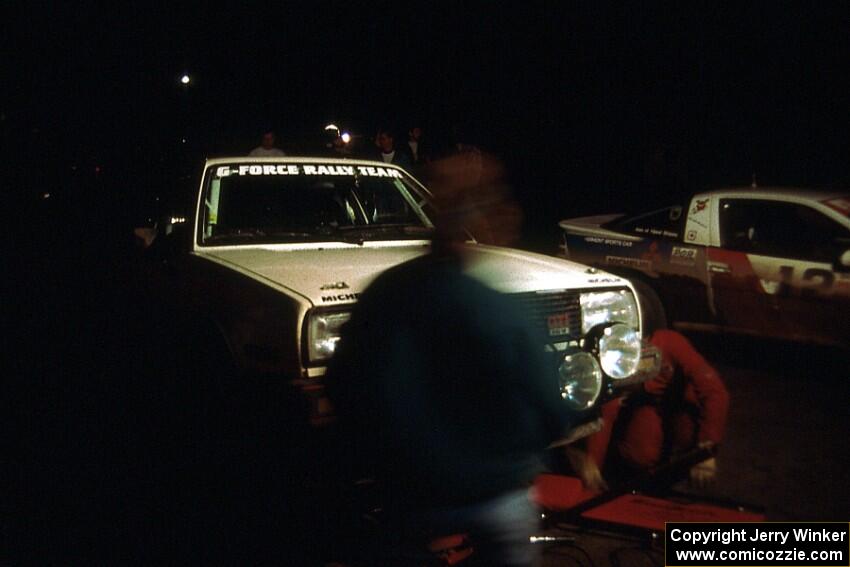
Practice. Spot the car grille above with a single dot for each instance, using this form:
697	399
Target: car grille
556	314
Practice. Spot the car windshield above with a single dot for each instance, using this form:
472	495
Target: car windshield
297	202
665	223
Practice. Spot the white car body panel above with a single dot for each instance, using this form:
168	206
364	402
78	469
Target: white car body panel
302	270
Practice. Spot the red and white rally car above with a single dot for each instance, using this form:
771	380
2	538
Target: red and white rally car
765	261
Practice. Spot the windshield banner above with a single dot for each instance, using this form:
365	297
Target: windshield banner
306	169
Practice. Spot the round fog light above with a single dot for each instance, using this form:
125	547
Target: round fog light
580	380
619	351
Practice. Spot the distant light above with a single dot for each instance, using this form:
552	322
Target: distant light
183	140
331	127
346	137
46	196
185	79
176	220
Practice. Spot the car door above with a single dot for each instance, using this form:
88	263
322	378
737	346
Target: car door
783	271
741	303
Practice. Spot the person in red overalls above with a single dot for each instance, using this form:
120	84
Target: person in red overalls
684	407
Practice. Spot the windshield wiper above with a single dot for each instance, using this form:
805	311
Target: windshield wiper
359	233
387	232
257	234
408	229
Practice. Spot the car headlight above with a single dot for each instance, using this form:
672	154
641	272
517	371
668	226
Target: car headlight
598	307
619	351
580	380
323	331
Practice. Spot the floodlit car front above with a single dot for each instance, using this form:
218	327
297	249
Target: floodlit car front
319	231
610	351
593	334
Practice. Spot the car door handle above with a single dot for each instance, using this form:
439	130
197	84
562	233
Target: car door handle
719	268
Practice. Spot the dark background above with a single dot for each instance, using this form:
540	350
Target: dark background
593	109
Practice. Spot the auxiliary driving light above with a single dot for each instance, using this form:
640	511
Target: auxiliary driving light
580	380
619	351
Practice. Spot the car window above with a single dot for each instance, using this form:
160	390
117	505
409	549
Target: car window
775	228
385	206
662	223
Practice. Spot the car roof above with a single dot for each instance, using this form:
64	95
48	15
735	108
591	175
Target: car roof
775	193
296	159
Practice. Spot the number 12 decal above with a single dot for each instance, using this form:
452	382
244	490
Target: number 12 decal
815	279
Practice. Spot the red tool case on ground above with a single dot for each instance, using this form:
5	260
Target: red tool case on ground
559	493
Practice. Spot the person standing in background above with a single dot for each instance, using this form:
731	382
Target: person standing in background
387	151
418	148
267	147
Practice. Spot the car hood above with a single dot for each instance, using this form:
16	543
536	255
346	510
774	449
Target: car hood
335	273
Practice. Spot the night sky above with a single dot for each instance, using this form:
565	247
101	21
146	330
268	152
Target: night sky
591	109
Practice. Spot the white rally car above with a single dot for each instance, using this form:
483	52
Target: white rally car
278	249
765	261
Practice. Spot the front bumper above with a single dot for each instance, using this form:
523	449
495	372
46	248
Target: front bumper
322	412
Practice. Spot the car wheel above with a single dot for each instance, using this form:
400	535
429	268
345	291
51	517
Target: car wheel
652	309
